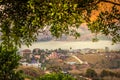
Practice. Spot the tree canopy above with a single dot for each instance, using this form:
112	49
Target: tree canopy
21	21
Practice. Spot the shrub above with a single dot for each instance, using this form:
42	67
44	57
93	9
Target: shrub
106	73
8	62
91	73
56	76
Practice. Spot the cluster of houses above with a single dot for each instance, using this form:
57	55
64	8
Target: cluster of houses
35	55
38	56
88	51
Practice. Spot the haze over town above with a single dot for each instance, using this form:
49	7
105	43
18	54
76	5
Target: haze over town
73	45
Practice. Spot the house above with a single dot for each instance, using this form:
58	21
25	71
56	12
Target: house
26	54
37	65
54	55
71	63
37	58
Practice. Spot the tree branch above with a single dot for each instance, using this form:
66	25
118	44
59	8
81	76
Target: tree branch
118	4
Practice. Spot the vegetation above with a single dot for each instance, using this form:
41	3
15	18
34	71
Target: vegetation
30	72
91	73
105	73
56	76
8	62
21	21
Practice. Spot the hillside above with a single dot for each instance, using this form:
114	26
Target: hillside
101	60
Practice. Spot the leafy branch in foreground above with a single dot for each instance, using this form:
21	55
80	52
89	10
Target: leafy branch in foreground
21	20
8	62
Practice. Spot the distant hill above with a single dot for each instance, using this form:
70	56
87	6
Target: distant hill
86	35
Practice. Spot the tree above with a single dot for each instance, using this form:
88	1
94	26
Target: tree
91	73
56	76
8	62
22	20
107	73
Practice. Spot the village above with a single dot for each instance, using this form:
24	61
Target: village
67	61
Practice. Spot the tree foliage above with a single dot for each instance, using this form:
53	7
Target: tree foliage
91	73
57	76
109	73
108	23
22	20
8	62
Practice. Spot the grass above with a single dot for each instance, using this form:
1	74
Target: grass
31	72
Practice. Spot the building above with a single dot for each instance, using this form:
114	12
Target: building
54	55
26	54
